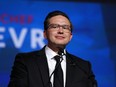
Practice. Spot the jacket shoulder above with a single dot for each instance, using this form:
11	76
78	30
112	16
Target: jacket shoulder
28	56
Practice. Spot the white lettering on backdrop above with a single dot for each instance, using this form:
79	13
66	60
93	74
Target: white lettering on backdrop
36	37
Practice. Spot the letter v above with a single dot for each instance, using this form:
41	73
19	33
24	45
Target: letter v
18	41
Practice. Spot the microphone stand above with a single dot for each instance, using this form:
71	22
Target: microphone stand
61	54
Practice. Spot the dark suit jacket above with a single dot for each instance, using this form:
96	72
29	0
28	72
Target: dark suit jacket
31	70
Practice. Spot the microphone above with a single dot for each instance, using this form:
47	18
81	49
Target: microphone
61	52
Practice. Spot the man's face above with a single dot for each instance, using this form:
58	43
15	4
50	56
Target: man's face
59	31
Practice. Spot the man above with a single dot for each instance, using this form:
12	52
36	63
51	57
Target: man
38	68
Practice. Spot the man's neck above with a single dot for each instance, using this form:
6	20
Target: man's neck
56	48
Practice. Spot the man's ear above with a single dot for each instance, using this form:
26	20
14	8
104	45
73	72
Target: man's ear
71	36
44	34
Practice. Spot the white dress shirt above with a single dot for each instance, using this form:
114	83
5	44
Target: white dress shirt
51	63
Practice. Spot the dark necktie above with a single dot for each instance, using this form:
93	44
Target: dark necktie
58	74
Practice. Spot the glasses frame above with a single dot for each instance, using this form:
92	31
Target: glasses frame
57	26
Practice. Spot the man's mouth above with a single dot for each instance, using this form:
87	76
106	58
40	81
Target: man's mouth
59	37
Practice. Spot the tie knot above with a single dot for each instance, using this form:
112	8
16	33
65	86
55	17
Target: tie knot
57	58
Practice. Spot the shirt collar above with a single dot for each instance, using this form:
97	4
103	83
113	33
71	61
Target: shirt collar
50	53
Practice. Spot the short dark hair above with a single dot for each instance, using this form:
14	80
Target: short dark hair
52	14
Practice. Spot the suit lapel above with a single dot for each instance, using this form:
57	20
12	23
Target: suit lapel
41	61
69	71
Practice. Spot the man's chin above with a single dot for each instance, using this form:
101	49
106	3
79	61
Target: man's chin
61	45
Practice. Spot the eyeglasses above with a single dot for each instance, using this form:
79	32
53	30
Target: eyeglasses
57	26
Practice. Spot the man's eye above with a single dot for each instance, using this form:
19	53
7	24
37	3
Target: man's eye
55	26
65	27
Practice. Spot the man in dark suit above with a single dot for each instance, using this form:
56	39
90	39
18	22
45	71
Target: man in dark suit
37	69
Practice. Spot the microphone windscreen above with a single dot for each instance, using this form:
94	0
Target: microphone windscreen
61	51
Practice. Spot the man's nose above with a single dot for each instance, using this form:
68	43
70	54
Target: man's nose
60	30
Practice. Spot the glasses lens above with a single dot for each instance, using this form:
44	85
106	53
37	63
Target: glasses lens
67	27
53	26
